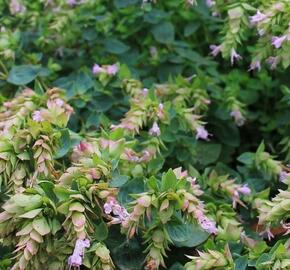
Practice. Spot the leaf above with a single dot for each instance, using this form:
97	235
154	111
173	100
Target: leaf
65	144
101	231
186	235
41	226
227	133
31	214
168	181
124	3
246	158
164	33
241	263
118	180
115	46
24	74
133	186
207	153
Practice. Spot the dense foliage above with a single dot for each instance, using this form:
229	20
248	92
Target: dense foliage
144	134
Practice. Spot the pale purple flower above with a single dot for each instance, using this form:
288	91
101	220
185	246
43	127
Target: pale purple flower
71	2
278	41
97	69
155	130
258	17
113	206
145	91
215	49
37	117
201	133
245	190
255	65
76	259
210	3
273	61
112	69
283	176
237	115
205	223
234	56
267	233
16	7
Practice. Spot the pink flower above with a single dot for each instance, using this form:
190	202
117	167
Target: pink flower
234	56
215	50
97	69
204	222
258	17
153	51
255	65
277	41
59	102
112	69
245	190
155	130
201	133
237	115
37	117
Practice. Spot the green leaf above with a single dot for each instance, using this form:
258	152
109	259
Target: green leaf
186	235
118	180
101	231
41	226
241	263
115	46
31	214
246	158
133	186
65	144
24	74
124	3
207	153
164	32
168	181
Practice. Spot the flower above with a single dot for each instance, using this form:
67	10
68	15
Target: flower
273	61
16	7
245	190
155	130
204	222
59	102
113	206
215	50
145	91
258	17
277	41
234	56
201	133
37	117
97	69
112	69
71	2
76	259
255	65
210	3
237	115
283	176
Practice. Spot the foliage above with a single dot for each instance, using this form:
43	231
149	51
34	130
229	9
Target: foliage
127	142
